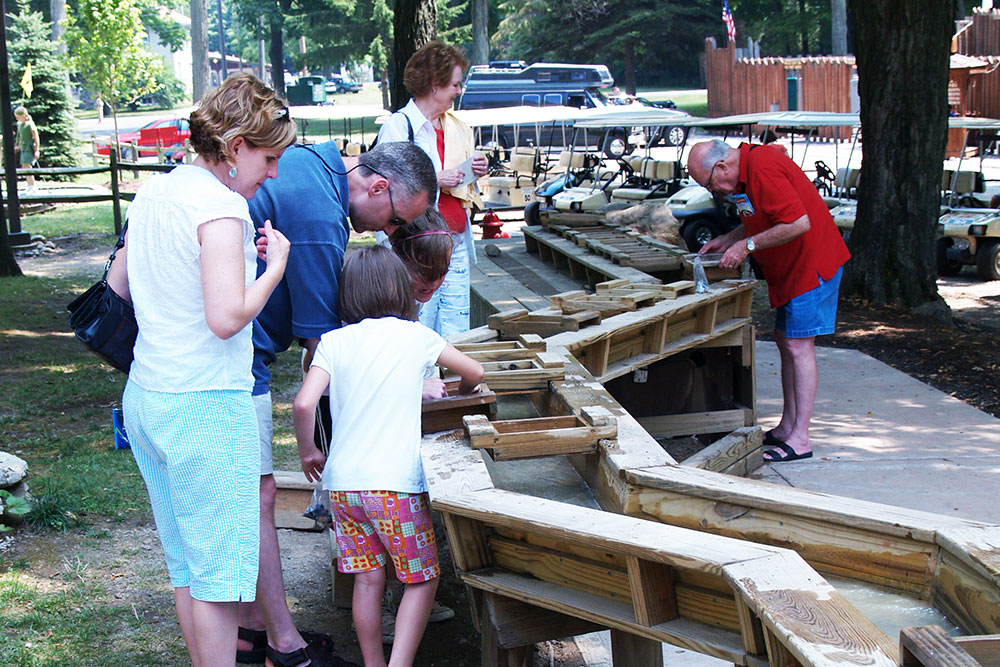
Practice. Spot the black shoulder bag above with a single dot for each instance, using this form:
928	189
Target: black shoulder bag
409	129
104	321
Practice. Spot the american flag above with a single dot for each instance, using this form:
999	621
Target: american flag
727	16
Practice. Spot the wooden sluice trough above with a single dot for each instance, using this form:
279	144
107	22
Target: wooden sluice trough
679	553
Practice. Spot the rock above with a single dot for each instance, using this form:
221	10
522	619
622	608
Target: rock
12	470
938	309
650	218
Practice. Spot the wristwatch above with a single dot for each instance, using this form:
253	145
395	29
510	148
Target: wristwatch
751	246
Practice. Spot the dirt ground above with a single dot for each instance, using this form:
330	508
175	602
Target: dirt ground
963	361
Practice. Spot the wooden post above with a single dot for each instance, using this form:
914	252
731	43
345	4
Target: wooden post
116	201
628	650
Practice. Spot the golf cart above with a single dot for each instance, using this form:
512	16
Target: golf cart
968	234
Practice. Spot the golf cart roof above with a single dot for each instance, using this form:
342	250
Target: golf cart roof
522	115
973	123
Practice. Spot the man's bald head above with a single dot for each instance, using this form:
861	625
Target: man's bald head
707	159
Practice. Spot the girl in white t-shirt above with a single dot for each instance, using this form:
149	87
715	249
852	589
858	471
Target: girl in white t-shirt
374	369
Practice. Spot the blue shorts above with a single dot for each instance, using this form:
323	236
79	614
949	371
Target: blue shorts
813	313
199	454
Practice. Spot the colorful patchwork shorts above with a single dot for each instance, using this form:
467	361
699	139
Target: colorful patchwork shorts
370	523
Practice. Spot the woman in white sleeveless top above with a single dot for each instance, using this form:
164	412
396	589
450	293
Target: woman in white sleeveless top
191	273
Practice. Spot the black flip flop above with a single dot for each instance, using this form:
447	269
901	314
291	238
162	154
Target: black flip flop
259	640
786	451
318	653
769	439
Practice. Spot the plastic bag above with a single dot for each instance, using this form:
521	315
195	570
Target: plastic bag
319	508
700	279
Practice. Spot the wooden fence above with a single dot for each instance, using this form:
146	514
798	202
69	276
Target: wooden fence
115	196
753	85
983	93
980	36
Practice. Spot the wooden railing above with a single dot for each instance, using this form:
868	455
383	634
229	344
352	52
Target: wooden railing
113	169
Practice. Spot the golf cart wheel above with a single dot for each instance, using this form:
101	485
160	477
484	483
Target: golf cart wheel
697	233
532	214
988	261
675	136
615	145
945	267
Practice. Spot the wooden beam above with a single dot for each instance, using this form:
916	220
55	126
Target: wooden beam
984	648
652	591
930	646
718	421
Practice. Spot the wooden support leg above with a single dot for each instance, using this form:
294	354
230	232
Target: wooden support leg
597	357
494	655
628	650
777	654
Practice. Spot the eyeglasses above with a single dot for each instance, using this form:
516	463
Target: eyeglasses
396	220
711	175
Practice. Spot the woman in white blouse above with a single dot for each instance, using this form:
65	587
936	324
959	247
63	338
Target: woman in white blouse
433	76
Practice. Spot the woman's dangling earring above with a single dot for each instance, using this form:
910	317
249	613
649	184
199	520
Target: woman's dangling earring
232	172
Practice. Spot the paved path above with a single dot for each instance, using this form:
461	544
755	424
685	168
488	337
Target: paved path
880	435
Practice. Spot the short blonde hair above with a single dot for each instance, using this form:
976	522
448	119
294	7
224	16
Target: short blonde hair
21	111
241	107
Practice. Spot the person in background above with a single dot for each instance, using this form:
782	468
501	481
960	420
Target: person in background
99	107
376	481
187	404
787	227
433	76
315	201
27	144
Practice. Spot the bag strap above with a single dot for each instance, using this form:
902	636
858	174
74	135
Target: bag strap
118	246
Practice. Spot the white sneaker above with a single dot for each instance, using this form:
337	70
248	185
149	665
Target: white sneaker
439	612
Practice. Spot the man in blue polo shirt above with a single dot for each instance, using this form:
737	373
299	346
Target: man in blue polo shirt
312	199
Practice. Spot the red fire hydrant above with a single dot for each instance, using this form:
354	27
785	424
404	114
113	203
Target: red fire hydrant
492	224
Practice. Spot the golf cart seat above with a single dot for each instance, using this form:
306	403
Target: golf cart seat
966	182
654	173
570	159
846	179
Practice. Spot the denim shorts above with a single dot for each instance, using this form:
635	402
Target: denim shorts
813	313
199	454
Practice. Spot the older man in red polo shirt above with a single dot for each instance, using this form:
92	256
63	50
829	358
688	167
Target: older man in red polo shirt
788	229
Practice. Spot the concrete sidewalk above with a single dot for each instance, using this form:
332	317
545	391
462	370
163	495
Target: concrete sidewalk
880	435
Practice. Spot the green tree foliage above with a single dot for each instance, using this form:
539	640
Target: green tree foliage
105	40
171	33
49	104
785	27
663	38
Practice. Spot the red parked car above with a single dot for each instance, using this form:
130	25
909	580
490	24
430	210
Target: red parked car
170	132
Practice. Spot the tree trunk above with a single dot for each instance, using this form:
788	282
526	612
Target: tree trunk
275	54
414	23
57	9
802	21
199	49
838	26
629	66
480	32
384	87
905	129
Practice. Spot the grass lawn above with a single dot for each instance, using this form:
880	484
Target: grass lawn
77	593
